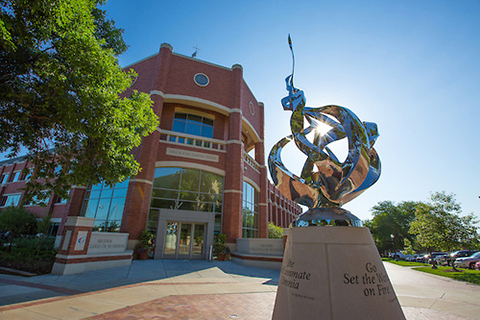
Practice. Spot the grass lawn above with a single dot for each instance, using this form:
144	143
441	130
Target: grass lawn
472	276
404	263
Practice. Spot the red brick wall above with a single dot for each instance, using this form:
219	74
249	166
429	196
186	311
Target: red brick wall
173	74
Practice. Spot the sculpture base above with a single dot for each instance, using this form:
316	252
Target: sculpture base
334	216
334	273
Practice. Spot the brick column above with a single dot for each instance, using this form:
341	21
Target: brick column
76	236
233	191
140	187
75	241
232	206
263	196
74	206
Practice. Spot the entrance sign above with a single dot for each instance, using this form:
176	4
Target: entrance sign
331	268
107	242
83	250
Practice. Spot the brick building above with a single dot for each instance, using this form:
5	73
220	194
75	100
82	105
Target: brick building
203	169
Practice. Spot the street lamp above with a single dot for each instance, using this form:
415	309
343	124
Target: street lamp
393	243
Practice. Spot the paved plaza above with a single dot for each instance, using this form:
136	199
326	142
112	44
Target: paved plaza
176	289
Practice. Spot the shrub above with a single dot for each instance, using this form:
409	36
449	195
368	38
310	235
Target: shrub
18	221
274	232
35	255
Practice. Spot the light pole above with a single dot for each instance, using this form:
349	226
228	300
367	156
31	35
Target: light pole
393	243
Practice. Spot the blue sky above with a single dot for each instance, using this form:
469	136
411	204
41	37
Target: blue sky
410	66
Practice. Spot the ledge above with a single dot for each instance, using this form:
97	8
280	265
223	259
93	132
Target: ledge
256	257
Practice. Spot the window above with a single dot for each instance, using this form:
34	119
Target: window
250	211
201	79
4	178
10	200
16	176
106	205
60	200
186	189
53	229
41	200
26	174
193	124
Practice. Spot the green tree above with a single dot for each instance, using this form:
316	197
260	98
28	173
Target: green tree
43	225
390	219
408	247
274	232
61	88
439	226
18	221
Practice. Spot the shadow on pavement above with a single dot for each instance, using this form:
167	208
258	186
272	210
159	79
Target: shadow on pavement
18	289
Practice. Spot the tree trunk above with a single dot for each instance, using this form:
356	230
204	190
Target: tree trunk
434	265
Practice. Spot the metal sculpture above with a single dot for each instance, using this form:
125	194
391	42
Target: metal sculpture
325	183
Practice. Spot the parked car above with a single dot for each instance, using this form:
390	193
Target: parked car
411	257
422	258
429	258
477	265
397	255
442	259
468	262
459	254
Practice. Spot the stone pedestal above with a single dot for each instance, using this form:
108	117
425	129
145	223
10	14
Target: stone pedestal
334	273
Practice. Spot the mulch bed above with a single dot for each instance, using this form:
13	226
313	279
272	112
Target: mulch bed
39	267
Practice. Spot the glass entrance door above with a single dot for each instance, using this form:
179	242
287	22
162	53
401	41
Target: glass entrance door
184	240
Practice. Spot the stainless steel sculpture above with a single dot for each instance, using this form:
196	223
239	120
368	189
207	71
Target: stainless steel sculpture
325	183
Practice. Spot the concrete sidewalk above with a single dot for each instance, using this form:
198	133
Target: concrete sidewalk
176	289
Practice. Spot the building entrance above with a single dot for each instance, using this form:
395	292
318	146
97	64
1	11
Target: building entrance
183	234
184	240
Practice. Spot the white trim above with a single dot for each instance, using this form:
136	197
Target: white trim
252	183
190	165
141	181
263	204
136	62
192	101
233	191
200	113
235	141
157	92
252	129
236	110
